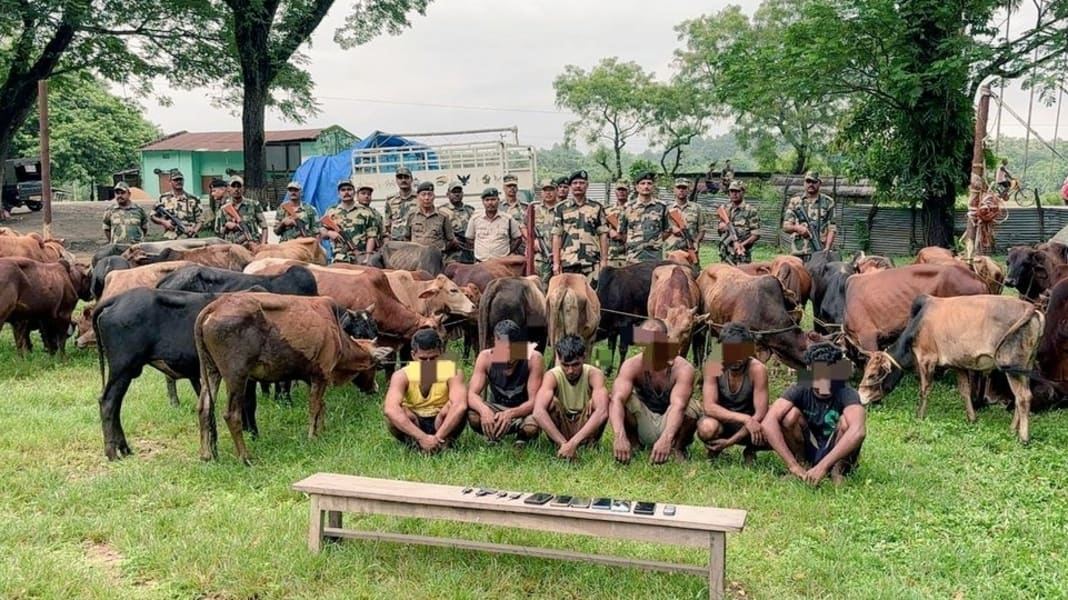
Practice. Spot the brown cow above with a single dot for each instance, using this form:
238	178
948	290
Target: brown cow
728	294
942	332
877	304
35	247
233	257
674	298
571	308
682	257
437	296
118	282
1031	271
791	273
863	264
983	266
484	272
270	337
306	249
39	294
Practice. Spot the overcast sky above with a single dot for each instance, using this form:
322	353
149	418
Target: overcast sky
472	64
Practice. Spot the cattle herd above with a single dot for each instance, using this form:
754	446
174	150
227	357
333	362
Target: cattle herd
212	312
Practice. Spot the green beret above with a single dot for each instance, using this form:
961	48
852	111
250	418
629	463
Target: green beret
425	186
490	192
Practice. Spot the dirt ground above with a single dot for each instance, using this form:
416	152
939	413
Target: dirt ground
78	223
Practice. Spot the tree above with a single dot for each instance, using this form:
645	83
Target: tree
680	115
612	103
93	133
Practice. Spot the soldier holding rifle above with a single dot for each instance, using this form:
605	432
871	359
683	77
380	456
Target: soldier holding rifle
177	212
809	219
295	218
351	227
739	227
459	214
687	222
241	221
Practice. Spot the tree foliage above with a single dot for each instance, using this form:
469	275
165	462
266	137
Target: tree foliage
680	114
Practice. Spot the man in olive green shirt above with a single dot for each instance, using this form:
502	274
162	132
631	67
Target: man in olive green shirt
571	406
294	217
124	221
427	225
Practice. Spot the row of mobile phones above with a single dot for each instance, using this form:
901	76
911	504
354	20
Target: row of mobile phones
563	500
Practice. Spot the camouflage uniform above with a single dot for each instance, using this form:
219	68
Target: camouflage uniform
433	230
819	211
127	224
394	222
695	222
359	223
544	217
252	220
186	208
746	221
617	249
580	228
459	218
518	212
645	224
306	214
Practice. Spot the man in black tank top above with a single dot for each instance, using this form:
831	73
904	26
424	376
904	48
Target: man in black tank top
512	370
735	396
652	399
572	404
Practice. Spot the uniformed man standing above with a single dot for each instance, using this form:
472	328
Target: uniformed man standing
563	188
124	221
746	223
294	217
182	205
617	241
355	220
515	208
364	191
426	225
580	234
819	208
544	216
217	196
692	216
459	214
645	223
252	226
395	219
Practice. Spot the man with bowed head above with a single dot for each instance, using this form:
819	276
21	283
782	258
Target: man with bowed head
572	403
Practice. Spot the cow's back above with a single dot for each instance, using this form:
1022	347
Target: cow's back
946	332
117	282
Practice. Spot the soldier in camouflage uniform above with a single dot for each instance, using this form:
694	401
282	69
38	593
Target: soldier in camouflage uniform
820	211
364	192
124	221
617	241
515	208
217	196
645	223
356	221
459	214
252	222
288	227
395	219
580	234
691	214
563	188
746	223
544	216
182	205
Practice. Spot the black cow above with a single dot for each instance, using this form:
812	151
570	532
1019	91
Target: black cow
829	274
1032	271
101	269
108	250
410	256
519	299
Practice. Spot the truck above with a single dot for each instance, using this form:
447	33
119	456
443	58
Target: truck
22	184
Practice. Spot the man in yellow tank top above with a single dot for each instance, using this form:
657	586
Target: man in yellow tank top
572	403
426	401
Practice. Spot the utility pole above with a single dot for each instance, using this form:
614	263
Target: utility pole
46	157
978	164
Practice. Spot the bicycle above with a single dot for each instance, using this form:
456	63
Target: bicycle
1017	194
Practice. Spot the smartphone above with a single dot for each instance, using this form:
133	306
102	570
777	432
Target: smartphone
485	492
669	510
644	508
602	503
515	495
502	494
539	498
621	506
467	490
562	501
577	502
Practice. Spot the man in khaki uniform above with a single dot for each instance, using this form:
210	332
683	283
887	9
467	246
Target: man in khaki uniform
580	233
395	219
645	223
495	234
253	225
124	221
544	215
356	222
692	216
182	205
617	240
304	216
427	226
515	208
563	189
746	223
819	208
459	214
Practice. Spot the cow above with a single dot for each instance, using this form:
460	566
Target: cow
234	257
682	257
572	308
481	274
411	256
117	282
674	298
41	294
294	281
519	299
790	271
863	263
1051	386
267	337
983	266
877	304
728	294
100	272
1031	271
151	249
34	247
437	296
934	255
942	332
307	249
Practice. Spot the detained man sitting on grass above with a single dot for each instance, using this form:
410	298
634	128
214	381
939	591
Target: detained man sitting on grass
512	369
426	401
572	404
735	394
821	421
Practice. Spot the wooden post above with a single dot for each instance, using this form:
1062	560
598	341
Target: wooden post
46	158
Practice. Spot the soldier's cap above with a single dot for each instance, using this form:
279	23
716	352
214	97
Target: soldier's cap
294	185
345	182
122	185
813	176
403	171
237	179
682	182
365	186
561	180
176	174
736	185
425	186
509	178
622	184
490	192
455	183
548	184
218	183
580	174
646	176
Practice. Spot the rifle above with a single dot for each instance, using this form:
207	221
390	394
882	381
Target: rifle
292	212
676	217
541	244
329	222
179	225
613	221
231	211
813	231
726	249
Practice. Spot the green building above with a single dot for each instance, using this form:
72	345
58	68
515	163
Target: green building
202	157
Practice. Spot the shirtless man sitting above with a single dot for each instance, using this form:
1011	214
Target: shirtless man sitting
513	371
572	404
735	396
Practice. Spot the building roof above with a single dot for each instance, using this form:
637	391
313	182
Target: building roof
223	141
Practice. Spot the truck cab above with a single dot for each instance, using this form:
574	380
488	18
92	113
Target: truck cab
22	183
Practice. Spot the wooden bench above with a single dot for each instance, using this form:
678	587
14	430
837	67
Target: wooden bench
696	526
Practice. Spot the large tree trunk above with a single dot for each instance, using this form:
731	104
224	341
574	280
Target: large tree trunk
938	215
251	32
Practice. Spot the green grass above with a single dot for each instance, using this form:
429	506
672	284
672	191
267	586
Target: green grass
938	508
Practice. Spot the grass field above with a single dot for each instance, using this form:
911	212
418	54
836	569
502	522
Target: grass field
938	508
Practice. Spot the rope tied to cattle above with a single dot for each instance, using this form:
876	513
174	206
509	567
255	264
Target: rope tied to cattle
826	325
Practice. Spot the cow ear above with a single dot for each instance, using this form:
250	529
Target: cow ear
430	291
370	308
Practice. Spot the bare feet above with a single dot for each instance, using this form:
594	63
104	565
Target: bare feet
748	456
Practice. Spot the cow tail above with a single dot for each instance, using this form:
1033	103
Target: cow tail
484	315
99	342
1027	317
209	372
